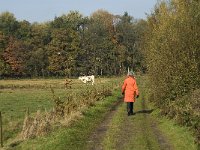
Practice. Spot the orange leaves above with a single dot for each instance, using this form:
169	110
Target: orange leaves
13	56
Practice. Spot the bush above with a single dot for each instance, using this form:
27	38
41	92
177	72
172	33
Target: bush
172	50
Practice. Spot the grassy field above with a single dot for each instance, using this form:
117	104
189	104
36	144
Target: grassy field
16	96
145	130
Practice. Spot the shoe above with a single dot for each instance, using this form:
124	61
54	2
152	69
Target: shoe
129	113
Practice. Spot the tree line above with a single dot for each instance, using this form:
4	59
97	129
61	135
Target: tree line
70	45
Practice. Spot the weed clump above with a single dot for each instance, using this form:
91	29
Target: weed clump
63	112
37	126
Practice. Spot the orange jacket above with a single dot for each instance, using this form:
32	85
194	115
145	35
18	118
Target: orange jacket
130	89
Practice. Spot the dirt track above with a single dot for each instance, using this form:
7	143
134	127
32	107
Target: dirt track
98	134
139	132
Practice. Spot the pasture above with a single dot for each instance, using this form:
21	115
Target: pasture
18	96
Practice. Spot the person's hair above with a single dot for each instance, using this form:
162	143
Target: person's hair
131	73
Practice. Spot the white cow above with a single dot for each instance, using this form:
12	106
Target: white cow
86	79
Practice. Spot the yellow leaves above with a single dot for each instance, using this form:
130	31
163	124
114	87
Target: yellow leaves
170	47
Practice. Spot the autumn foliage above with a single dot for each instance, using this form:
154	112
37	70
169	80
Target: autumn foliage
70	45
172	50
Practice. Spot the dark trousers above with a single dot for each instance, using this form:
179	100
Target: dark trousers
130	107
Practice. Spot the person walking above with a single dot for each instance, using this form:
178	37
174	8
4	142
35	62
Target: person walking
130	92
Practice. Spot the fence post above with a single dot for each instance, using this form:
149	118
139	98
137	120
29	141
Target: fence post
27	112
1	129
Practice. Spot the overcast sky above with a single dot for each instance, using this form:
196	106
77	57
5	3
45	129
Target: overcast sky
46	10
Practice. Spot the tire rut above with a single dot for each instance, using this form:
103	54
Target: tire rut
95	139
127	134
162	140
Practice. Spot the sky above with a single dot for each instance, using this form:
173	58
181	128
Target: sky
46	10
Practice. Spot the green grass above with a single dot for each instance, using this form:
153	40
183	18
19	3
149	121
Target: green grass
14	104
18	95
75	136
180	137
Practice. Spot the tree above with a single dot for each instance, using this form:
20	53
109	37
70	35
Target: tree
172	50
126	36
62	52
24	30
4	68
99	43
71	20
15	55
8	23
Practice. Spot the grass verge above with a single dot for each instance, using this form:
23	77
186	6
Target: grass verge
180	137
